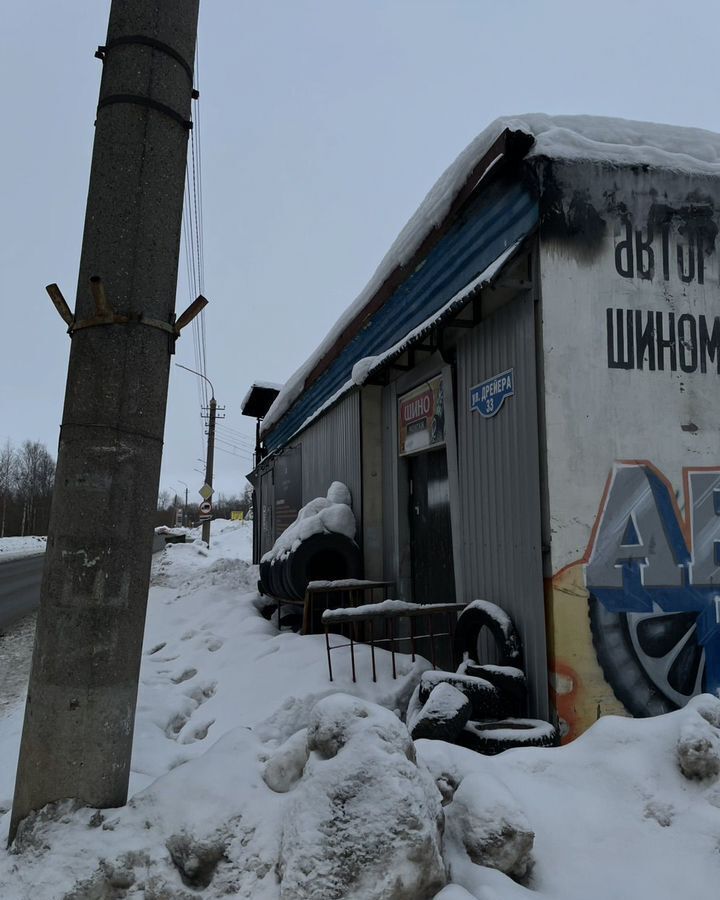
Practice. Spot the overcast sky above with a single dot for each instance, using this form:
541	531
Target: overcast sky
323	125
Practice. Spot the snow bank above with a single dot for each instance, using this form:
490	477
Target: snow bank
323	515
592	138
365	821
612	813
243	754
15	547
220	692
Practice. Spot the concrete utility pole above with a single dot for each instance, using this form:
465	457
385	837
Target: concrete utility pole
209	460
184	513
212	415
79	717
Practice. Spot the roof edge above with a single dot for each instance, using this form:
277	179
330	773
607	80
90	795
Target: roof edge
509	148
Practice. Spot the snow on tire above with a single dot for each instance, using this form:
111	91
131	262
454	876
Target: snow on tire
322	557
481	614
510	682
264	570
491	737
484	697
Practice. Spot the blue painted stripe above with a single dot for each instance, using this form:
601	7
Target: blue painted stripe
502	216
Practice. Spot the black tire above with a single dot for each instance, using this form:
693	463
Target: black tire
632	649
438	722
284	576
322	557
484	697
274	576
473	619
264	570
510	682
491	738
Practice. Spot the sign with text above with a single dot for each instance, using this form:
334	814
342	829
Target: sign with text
488	397
421	417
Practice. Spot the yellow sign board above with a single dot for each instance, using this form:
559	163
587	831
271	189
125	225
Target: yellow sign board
237	515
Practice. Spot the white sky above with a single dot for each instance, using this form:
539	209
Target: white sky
324	123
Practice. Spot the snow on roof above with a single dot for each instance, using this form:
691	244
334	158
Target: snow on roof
591	138
368	365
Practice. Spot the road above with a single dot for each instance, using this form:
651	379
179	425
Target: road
19	588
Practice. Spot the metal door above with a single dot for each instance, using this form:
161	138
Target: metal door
433	577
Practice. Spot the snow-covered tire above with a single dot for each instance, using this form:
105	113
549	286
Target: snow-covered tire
322	557
264	570
285	583
443	716
482	614
484	697
510	682
492	737
275	578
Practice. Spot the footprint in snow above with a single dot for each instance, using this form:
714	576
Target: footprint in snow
199	733
157	648
184	676
213	644
202	693
175	726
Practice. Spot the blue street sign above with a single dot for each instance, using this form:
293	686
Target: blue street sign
488	397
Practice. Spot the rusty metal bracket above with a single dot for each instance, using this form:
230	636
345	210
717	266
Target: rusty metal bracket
104	314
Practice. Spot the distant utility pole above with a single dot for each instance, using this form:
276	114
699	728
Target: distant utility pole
79	717
209	459
184	517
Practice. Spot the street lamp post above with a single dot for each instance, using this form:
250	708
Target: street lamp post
210	444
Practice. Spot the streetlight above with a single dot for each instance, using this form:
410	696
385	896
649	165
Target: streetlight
200	375
210	447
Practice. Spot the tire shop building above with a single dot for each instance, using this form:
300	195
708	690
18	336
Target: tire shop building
524	405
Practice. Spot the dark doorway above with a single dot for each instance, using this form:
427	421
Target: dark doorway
431	550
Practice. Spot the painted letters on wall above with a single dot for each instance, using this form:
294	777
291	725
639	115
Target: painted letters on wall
631	339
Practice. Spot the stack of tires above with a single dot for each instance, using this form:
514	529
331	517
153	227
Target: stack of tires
481	707
321	557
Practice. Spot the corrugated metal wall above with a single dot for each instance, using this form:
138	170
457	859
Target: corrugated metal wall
390	489
266	504
499	475
331	451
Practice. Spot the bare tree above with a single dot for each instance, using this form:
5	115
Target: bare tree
7	480
35	475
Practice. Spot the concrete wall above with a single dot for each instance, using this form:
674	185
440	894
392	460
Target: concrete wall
631	358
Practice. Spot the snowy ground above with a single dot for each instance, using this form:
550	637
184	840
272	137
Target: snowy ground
15	547
222	691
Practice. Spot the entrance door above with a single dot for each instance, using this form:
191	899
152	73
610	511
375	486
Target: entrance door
433	574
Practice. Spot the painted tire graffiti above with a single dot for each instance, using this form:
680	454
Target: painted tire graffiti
652	661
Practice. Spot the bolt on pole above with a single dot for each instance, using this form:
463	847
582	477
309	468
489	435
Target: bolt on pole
80	711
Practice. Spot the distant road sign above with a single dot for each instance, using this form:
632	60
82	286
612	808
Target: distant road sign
206	491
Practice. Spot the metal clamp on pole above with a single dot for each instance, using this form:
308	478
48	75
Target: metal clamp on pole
104	314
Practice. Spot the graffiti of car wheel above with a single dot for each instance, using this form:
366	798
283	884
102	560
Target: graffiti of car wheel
494	737
652	661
